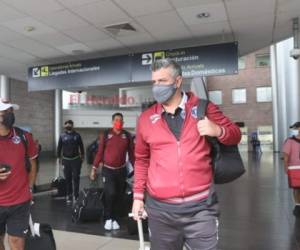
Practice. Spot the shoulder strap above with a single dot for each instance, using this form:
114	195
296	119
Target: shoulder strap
127	134
201	108
105	137
21	133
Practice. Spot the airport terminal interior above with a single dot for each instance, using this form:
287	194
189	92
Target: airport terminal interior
83	60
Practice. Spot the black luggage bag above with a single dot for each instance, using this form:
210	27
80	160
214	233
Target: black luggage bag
89	206
43	239
59	183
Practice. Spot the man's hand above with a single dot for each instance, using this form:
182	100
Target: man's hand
138	210
93	174
4	175
209	128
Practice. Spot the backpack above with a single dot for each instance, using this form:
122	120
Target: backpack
226	159
89	206
21	134
105	136
91	151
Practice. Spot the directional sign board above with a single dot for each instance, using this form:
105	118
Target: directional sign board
220	59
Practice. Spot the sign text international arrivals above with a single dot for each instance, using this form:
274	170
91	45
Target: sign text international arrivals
219	59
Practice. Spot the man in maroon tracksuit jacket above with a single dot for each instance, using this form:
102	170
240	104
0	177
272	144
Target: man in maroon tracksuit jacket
111	155
173	171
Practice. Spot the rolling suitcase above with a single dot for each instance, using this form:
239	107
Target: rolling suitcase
143	246
39	236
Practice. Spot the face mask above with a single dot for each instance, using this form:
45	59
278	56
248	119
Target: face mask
294	132
69	128
8	119
163	93
118	125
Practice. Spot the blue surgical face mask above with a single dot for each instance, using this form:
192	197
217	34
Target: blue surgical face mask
163	93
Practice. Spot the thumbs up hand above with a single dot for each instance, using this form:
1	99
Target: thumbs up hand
209	128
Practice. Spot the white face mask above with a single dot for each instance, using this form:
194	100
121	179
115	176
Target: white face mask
294	132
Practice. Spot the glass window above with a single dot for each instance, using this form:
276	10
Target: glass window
239	96
242	64
264	94
215	96
262	60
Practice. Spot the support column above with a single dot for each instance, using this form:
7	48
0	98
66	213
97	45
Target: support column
286	91
57	115
4	87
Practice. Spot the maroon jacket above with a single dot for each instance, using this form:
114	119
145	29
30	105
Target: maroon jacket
172	170
117	145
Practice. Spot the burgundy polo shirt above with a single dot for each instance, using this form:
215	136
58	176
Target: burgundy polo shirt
15	189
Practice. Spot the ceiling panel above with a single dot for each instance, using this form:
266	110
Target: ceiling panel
74	48
216	11
62	20
208	29
144	7
55	39
104	12
135	40
15	54
165	26
7	35
240	9
86	34
72	3
34	6
8	13
186	3
36	48
104	44
20	25
7	65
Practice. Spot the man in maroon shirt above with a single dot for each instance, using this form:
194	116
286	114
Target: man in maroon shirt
16	181
173	170
111	156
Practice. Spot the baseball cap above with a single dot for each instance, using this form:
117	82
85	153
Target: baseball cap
295	125
5	104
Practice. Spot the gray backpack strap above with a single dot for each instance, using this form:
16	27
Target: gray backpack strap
201	108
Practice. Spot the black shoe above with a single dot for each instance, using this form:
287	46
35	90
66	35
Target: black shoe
296	211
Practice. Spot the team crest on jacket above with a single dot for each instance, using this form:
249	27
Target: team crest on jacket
124	136
109	136
194	112
16	139
154	118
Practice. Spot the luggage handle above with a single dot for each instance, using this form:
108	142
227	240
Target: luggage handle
141	233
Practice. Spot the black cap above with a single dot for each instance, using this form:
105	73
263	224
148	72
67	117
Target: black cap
295	125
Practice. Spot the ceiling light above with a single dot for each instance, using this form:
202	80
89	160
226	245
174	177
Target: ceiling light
29	28
203	15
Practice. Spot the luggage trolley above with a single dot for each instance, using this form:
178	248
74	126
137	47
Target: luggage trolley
143	246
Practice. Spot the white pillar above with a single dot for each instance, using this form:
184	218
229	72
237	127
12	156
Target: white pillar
4	87
58	115
285	77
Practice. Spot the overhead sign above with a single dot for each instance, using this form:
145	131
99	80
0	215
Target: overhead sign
220	59
95	72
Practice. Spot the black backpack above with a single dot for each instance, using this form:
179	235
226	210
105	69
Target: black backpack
91	152
226	159
89	206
